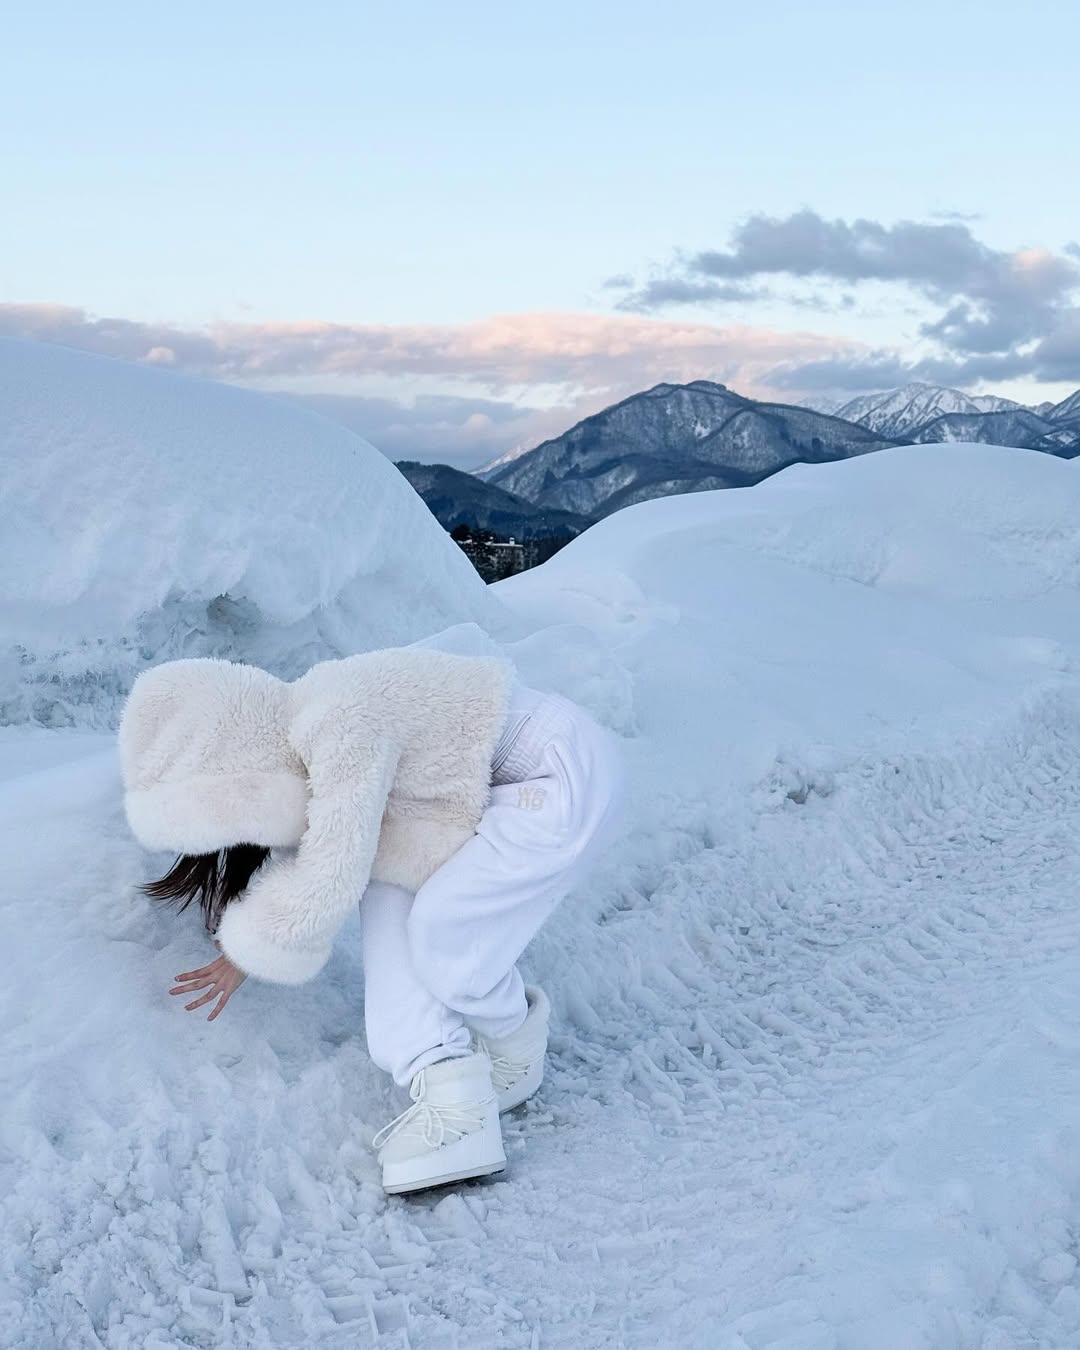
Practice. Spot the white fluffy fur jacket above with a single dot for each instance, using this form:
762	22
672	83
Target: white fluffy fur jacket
372	767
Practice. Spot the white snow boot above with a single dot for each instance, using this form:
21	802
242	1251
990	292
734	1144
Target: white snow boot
517	1060
451	1131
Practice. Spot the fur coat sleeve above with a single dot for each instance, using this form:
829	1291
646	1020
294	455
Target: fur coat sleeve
284	926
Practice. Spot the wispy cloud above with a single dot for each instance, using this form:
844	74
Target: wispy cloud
687	289
965	216
455	430
574	352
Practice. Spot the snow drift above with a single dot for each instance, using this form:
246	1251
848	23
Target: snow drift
147	515
912	591
815	1075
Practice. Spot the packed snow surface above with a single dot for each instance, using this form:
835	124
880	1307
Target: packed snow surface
814	1081
147	515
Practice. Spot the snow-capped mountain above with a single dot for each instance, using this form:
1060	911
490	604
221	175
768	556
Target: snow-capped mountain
898	412
1019	427
1068	410
676	438
505	458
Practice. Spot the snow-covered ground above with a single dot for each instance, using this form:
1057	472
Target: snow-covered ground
815	1076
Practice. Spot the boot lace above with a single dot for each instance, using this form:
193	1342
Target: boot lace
433	1122
507	1068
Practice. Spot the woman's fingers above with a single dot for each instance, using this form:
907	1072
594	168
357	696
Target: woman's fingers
220	979
198	974
211	993
191	986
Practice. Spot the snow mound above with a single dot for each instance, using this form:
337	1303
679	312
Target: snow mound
147	515
965	521
844	604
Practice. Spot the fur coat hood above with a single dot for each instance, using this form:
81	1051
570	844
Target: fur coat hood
375	767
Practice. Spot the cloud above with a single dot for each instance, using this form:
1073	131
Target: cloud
158	344
454	430
807	245
674	290
993	301
1057	356
574	353
861	373
836	374
965	216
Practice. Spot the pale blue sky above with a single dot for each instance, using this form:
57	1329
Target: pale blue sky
437	164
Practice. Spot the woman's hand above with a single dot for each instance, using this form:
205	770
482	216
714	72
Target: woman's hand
220	979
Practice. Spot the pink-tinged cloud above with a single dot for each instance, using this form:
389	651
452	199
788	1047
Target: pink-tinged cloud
579	351
585	355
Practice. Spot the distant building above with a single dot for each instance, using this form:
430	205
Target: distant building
496	558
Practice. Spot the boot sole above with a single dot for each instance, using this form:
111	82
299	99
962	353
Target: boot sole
466	1174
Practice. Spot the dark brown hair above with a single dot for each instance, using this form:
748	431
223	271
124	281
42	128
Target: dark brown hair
213	879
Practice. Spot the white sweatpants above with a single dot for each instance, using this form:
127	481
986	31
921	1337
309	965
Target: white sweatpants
441	964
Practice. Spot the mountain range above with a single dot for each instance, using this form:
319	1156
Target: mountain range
693	437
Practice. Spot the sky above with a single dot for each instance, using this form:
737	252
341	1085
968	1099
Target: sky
460	228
